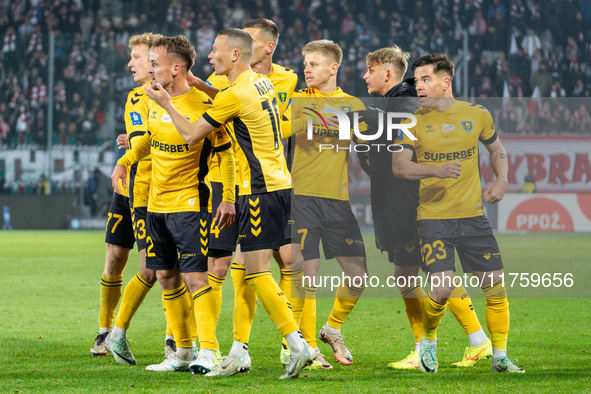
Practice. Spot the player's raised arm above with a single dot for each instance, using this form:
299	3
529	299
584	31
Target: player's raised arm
192	133
404	167
200	84
498	159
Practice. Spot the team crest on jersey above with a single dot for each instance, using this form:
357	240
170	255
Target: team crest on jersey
346	108
136	119
467	125
165	118
448	127
429	128
153	116
282	96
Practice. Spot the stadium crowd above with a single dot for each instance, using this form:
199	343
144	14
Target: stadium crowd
514	46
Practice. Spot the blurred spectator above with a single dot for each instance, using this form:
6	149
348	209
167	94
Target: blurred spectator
543	80
581	119
530	43
561	116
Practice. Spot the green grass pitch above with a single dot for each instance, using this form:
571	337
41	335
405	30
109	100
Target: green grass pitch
49	305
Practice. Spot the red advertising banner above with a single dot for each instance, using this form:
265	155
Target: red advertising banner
560	164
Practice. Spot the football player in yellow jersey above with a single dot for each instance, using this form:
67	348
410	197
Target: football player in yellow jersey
265	184
394	204
321	197
120	225
450	214
264	34
179	207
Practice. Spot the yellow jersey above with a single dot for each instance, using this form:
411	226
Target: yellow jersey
250	106
136	117
179	170
319	173
445	136
284	81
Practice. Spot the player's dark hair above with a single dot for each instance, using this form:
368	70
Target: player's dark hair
440	63
239	39
267	26
179	46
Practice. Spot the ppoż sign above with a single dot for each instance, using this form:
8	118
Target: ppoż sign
561	212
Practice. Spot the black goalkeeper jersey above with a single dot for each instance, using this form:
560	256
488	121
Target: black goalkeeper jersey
394	201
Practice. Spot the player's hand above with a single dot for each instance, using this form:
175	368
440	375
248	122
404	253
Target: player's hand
495	192
333	123
120	172
122	141
160	96
449	170
194	81
225	215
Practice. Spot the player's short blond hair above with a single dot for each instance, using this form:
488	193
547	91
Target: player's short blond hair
390	55
327	48
142	39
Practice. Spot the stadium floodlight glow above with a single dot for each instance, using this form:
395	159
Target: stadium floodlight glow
345	124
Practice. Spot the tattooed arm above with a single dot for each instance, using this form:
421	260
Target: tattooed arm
498	160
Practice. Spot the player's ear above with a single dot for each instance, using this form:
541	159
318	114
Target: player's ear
446	83
270	48
333	69
175	69
388	75
235	55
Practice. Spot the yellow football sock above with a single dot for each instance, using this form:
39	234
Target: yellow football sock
273	300
205	307
460	305
168	327
345	299
290	282
308	320
432	314
133	296
497	314
109	296
192	318
413	300
216	283
178	308
245	304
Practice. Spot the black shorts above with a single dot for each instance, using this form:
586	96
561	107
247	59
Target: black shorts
472	238
329	220
119	231
139	225
262	220
221	243
177	240
408	256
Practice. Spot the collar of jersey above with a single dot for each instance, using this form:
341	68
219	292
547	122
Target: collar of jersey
318	93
